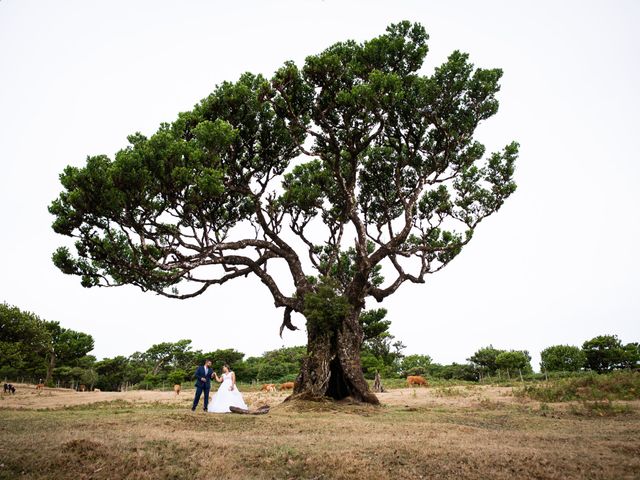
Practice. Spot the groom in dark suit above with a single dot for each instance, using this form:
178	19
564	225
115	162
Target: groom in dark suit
203	376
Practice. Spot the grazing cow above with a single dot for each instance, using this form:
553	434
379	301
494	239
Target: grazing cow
40	386
416	380
286	386
268	387
8	388
96	390
176	388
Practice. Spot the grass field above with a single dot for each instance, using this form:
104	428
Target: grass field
466	431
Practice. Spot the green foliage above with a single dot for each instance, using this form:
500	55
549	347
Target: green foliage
514	361
164	363
325	309
453	371
70	347
167	356
563	358
178	376
83	373
339	267
415	365
219	357
621	385
372	364
33	348
373	323
27	344
456	371
485	360
306	187
64	347
379	352
279	365
197	168
606	352
112	373
24	343
87	377
631	355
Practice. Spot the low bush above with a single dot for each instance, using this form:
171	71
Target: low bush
621	385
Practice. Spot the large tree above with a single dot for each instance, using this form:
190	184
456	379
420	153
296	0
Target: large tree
353	166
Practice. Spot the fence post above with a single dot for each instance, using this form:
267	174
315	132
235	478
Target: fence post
377	385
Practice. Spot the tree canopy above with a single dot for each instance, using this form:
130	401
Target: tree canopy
562	358
353	165
32	347
485	360
514	360
606	352
392	156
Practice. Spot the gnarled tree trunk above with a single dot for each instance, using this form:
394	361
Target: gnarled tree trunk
332	367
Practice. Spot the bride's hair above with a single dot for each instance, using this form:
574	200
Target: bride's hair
226	365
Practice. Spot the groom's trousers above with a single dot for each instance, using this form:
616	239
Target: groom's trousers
199	390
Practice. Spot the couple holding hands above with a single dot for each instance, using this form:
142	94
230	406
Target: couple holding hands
228	394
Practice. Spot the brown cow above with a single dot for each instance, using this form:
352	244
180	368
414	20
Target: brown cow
416	380
82	388
286	386
268	387
40	386
176	388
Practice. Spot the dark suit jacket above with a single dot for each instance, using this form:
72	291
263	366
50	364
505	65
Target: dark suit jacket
200	374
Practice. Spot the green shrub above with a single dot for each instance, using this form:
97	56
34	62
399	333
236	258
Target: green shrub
562	358
620	385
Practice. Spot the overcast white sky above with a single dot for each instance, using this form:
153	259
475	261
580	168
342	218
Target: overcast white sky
558	264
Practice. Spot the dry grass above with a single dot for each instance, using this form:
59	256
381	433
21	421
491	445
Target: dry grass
479	432
619	385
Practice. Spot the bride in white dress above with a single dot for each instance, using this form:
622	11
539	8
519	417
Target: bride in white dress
228	394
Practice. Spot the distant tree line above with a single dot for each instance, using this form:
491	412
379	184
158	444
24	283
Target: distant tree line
169	363
34	349
601	354
42	350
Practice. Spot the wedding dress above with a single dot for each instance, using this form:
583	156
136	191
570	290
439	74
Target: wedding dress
226	398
